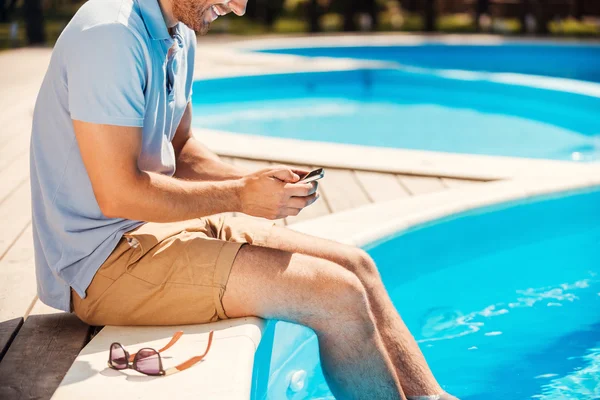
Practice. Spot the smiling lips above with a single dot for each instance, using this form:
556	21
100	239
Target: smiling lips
213	13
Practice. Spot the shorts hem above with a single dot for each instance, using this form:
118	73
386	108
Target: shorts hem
222	270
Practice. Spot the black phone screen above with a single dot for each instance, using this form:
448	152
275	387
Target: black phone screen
316	173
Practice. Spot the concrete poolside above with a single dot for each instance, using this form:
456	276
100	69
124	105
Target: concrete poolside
408	195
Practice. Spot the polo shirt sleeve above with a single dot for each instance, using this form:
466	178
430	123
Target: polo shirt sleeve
106	76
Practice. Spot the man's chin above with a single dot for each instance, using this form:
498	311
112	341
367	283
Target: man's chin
203	29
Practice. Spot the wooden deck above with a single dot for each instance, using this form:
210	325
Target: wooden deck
343	189
28	329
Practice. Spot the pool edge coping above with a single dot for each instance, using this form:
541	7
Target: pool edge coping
387	160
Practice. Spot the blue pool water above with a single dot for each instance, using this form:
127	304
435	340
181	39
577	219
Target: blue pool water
504	302
572	61
407	109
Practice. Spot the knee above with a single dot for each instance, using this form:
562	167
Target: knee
363	266
348	306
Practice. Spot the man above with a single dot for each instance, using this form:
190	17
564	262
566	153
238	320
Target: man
112	146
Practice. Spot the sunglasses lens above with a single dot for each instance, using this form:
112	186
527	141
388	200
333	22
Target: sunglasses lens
147	361
118	358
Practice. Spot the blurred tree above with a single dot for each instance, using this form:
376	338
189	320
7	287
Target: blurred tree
409	5
314	16
251	10
267	11
350	10
33	13
481	8
6	9
542	16
429	16
274	10
525	11
372	8
577	9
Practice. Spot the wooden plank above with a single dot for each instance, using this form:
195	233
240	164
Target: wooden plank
14	175
14	139
421	184
380	186
342	191
22	67
8	331
41	355
16	116
318	209
13	149
15	214
17	278
457	183
16	121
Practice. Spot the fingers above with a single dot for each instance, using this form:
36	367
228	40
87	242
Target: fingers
301	189
295	205
300	172
284	174
290	212
302	202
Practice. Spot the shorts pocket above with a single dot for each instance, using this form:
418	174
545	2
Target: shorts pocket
135	248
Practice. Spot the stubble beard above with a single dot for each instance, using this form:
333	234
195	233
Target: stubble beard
191	13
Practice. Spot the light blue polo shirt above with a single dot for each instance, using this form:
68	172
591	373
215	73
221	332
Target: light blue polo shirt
111	65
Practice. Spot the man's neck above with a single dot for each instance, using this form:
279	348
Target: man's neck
166	6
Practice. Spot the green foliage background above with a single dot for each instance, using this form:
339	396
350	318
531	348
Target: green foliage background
291	16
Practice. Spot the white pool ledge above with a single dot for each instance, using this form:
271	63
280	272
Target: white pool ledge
382	159
380	220
226	373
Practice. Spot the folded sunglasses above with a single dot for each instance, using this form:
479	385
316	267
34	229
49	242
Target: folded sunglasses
148	361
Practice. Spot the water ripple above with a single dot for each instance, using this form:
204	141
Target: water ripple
444	323
583	383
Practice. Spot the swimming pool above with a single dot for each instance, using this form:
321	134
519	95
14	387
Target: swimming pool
503	300
444	111
562	60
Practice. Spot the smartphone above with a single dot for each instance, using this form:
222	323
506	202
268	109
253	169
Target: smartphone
312	176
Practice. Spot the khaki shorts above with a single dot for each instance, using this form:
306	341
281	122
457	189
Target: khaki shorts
169	273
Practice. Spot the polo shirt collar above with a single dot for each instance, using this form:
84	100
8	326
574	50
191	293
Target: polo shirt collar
154	19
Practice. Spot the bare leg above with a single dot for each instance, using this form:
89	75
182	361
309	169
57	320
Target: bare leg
412	370
318	293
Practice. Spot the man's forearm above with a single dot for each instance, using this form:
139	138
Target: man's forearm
153	197
197	163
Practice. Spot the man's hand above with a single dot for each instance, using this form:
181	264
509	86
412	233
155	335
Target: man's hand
273	193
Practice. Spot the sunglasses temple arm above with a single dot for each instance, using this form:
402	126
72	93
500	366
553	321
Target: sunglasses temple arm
174	340
193	360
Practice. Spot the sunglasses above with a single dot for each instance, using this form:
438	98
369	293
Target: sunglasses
148	361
